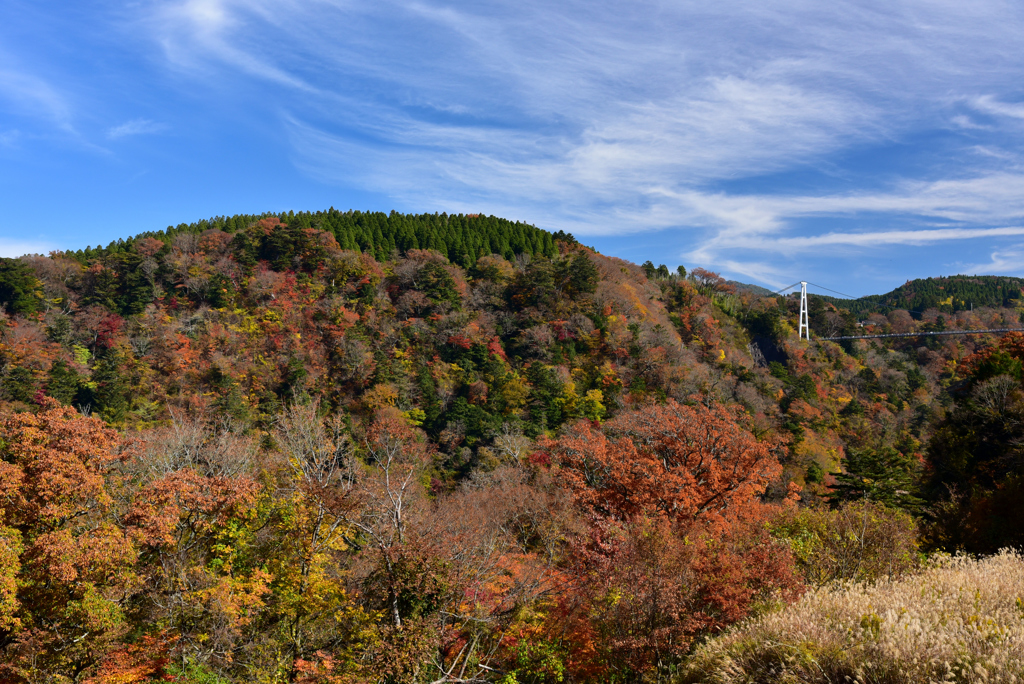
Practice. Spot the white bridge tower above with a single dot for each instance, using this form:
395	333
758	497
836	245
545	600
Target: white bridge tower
804	327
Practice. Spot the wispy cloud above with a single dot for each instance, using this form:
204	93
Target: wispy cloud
32	95
135	127
1008	260
766	225
965	122
991	198
989	105
605	119
813	243
43	105
194	31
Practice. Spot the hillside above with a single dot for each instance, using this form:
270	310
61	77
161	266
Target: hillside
346	447
752	289
947	294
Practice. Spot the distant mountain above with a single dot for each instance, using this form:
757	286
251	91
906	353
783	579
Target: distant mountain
747	287
950	294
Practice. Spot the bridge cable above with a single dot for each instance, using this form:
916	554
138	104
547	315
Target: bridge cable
788	287
822	287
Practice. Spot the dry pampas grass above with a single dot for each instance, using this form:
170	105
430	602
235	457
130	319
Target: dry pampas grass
960	620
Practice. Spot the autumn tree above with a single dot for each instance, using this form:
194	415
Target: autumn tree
321	500
438	583
499	540
205	583
855	541
352	522
977	468
642	591
393	496
709	283
688	463
68	566
677	546
194	514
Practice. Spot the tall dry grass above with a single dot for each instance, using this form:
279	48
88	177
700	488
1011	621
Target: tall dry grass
959	620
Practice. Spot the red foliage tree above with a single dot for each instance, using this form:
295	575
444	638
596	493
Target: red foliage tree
676	547
709	282
689	463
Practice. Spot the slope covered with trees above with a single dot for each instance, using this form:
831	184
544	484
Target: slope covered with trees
348	447
947	294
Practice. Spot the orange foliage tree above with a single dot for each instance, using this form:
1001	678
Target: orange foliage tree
191	529
75	566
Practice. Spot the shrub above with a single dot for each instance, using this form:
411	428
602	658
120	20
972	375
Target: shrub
861	541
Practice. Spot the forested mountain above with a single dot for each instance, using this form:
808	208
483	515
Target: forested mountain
351	447
948	295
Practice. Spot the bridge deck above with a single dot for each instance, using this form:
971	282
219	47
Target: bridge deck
920	334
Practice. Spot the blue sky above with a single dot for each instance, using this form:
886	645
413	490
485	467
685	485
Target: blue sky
851	144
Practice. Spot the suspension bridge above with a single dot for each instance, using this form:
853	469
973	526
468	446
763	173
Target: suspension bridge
805	328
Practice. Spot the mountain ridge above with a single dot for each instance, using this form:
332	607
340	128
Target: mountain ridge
948	294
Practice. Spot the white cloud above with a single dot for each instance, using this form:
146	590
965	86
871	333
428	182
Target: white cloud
732	89
763	225
992	198
135	127
757	271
